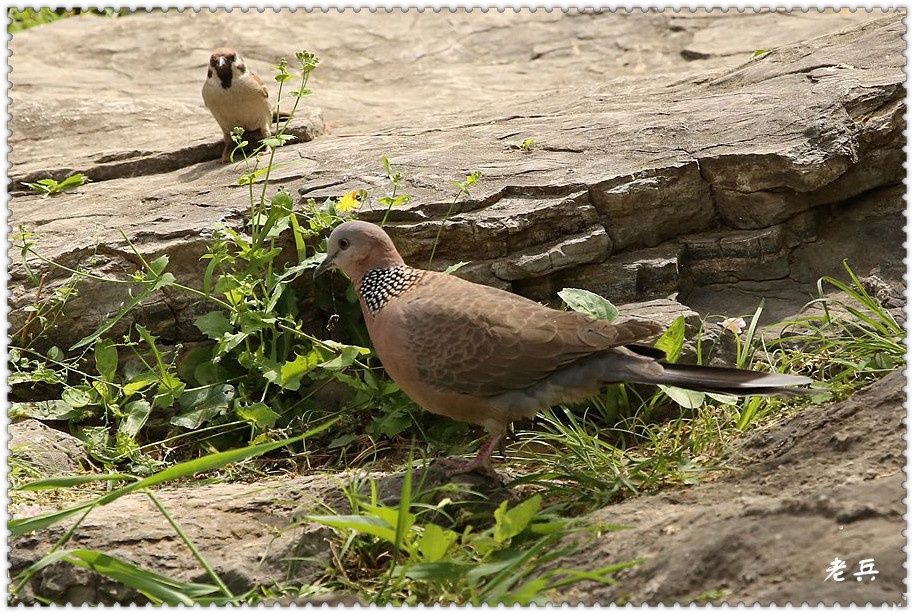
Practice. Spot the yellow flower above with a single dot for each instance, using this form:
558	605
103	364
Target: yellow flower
348	202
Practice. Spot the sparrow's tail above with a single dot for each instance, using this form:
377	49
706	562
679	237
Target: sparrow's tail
732	381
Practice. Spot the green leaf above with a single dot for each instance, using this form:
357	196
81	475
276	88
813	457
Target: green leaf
258	414
137	412
455	267
41	186
690	399
96	438
106	359
435	542
202	405
509	523
56	409
170	389
214	324
227	343
672	340
345	358
367	525
278	140
726	399
158	266
390	422
56	354
73	181
283	199
70	481
47	187
135	386
584	301
391	515
293	371
436	572
78	396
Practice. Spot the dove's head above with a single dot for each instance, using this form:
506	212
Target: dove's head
358	247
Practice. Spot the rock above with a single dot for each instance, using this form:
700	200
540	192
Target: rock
670	201
664	312
243	530
714	176
750	145
592	246
763	31
731	256
768	532
851	454
638	275
46	451
251	534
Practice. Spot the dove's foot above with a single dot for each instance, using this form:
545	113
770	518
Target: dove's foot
482	464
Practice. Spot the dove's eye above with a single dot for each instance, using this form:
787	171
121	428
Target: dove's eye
344	244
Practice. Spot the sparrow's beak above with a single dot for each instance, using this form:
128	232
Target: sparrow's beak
220	61
324	266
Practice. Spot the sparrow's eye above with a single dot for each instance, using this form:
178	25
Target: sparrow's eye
241	68
344	244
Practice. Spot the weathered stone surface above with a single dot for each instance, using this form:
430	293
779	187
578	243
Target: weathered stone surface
864	230
655	205
749	146
243	530
664	311
792	159
759	33
44	450
250	534
494	230
591	246
626	277
768	532
694	539
728	257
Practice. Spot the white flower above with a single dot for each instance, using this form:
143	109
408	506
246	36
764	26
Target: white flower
735	325
27	511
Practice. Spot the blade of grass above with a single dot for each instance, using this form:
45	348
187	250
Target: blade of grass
156	587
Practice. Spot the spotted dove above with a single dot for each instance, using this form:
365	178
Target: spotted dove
488	357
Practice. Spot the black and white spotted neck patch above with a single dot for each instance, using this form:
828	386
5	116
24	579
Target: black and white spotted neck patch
380	285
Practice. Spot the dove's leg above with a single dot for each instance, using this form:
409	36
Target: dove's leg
482	464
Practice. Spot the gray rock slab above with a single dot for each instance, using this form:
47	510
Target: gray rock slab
644	142
45	451
820	486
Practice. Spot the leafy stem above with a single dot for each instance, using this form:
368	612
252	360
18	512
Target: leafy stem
463	189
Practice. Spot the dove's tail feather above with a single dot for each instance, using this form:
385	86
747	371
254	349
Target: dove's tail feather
732	381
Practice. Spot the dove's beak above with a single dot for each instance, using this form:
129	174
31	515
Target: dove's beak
324	266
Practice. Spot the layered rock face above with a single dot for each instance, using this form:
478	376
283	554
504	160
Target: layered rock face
720	157
667	157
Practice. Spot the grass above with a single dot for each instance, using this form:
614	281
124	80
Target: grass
23	19
235	408
50	187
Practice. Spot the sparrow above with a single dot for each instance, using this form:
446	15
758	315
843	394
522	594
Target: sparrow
236	97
